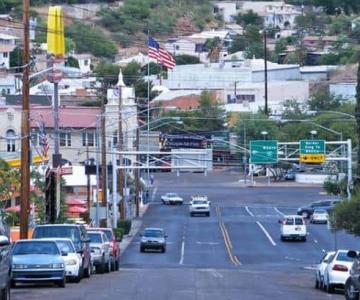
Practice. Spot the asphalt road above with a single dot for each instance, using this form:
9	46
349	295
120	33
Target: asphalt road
236	253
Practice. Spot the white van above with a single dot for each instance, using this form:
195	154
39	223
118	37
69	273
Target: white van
293	227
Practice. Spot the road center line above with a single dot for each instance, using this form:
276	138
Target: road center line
249	211
182	252
266	233
278	211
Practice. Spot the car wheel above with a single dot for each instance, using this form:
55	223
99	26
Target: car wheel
142	249
317	285
163	249
12	284
191	214
303	239
351	293
77	279
62	283
329	288
113	265
282	238
5	292
208	214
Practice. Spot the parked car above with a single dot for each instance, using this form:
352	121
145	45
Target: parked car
199	205
319	215
78	235
289	175
153	238
5	267
320	269
73	260
292	227
37	260
171	198
352	284
114	246
308	210
100	251
337	271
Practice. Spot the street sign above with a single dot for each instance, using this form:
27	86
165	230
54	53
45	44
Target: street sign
263	152
312	151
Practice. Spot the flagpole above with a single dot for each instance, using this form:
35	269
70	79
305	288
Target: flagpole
148	113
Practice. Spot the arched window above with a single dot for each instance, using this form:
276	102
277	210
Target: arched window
10	140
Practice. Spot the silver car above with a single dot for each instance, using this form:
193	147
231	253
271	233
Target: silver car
100	251
154	239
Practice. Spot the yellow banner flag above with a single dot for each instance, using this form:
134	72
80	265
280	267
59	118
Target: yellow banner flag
55	31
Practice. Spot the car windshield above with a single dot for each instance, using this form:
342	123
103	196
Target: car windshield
95	237
288	221
25	248
57	232
65	246
320	211
108	234
199	202
153	233
172	195
342	256
299	221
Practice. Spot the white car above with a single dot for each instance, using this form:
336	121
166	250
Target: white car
293	227
320	269
171	198
100	251
199	205
319	216
337	271
72	259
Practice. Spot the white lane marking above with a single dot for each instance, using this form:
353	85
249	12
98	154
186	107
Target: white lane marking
182	253
216	274
315	241
207	243
153	194
278	211
249	211
266	233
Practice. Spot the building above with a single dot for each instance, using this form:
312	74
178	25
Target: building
140	58
183	99
9	83
228	74
84	62
7	45
319	42
345	90
227	9
275	13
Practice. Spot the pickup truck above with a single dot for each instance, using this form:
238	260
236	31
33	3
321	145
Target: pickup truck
199	205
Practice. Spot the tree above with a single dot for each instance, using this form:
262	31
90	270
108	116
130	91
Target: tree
323	100
9	181
72	62
357	116
16	57
89	39
214	46
249	18
107	72
238	44
132	73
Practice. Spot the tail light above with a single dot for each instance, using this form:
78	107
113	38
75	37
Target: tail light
340	268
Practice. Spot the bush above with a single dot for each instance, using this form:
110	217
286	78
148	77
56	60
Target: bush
125	225
335	187
119	233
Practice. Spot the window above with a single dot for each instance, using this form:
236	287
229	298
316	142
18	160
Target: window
242	98
88	139
65	139
10	139
86	62
5	54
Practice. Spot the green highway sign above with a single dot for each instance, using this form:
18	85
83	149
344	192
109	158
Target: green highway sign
264	152
312	147
312	151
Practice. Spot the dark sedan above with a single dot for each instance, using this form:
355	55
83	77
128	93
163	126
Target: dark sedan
308	210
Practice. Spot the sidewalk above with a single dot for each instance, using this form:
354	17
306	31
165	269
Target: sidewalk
259	184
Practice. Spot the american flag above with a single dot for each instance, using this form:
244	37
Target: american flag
160	54
44	142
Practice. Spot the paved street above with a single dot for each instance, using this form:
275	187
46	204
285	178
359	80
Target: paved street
236	253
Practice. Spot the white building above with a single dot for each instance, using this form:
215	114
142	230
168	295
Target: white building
84	62
227	9
9	84
345	90
7	45
275	13
139	58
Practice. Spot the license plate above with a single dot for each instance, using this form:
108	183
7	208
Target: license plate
297	228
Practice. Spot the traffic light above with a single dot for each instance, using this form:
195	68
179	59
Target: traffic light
50	197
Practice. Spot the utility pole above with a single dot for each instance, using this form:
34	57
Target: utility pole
266	73
137	174
25	129
121	171
88	185
103	155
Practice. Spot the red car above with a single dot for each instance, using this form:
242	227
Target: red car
114	246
